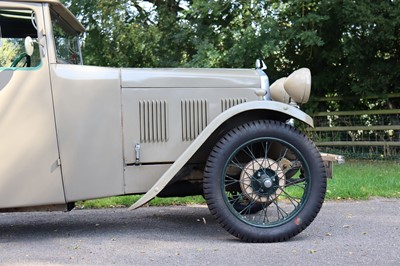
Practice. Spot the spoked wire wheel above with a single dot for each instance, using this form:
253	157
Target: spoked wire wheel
264	181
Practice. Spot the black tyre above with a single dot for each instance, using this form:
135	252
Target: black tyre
264	181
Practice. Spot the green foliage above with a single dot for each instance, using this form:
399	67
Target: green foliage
117	34
365	179
351	47
9	50
126	201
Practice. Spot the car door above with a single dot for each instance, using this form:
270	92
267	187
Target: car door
30	173
87	105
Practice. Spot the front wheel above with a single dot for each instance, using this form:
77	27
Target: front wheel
264	181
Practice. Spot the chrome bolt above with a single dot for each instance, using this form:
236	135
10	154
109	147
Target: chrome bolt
268	183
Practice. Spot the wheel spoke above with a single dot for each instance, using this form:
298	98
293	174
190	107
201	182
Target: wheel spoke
265	173
254	197
236	200
264	213
253	158
236	163
291	199
231	180
249	151
265	148
281	156
295	184
247	209
280	212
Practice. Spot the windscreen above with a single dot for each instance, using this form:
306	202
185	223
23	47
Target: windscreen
66	41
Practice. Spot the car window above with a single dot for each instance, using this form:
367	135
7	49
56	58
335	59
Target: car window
15	26
66	41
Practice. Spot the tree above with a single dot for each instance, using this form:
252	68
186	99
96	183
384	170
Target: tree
351	47
8	52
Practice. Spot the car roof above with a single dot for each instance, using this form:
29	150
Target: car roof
61	10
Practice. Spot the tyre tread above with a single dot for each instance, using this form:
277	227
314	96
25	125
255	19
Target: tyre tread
212	167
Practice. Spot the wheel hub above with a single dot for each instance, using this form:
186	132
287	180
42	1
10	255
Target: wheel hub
261	180
267	183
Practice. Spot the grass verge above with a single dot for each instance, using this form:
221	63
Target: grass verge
126	201
353	180
365	179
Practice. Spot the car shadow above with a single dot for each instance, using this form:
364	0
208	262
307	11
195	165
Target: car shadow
161	223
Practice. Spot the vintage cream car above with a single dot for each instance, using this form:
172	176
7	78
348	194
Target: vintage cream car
70	132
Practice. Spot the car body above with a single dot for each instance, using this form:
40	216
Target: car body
71	132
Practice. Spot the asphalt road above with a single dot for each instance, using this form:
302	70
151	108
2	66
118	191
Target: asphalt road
344	233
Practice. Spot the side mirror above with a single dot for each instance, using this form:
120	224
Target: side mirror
29	46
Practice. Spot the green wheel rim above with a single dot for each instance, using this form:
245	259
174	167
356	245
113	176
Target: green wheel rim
264	201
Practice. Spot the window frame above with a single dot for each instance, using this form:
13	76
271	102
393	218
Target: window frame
34	10
71	32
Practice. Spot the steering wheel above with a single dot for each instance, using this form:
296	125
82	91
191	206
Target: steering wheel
27	62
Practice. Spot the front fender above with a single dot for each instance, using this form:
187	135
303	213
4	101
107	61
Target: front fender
286	109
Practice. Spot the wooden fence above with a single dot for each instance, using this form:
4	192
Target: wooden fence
369	134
